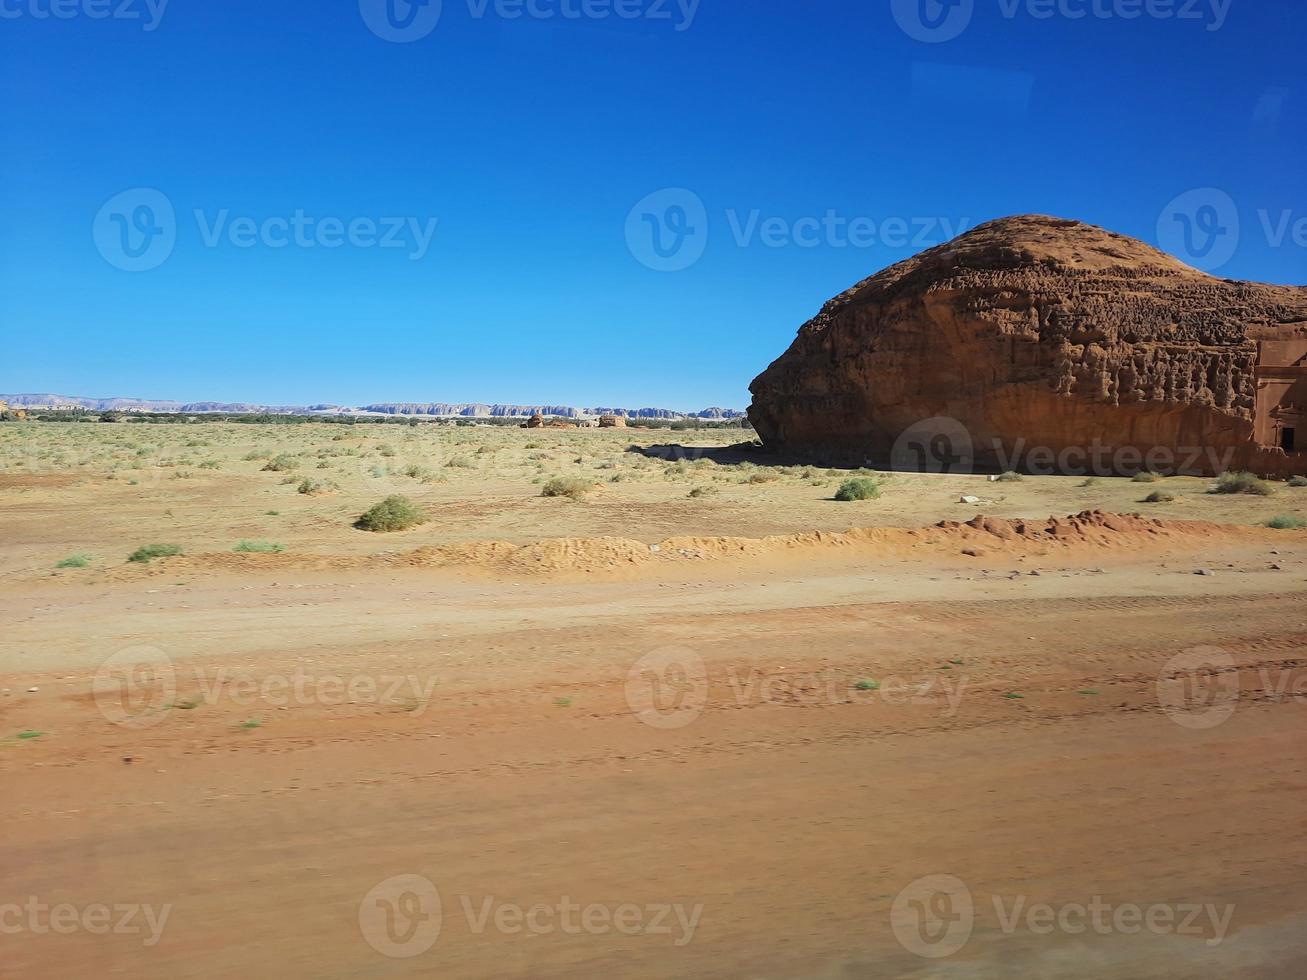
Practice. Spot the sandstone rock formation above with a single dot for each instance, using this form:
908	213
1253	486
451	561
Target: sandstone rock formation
1037	333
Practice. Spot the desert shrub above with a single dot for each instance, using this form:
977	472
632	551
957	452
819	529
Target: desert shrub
703	491
1010	476
1298	481
757	478
415	472
1088	481
1242	483
567	486
1146	477
1286	522
74	561
280	464
209	464
461	462
859	488
1159	497
311	487
395	513
147	552
259	547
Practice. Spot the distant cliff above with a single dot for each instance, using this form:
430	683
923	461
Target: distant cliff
435	409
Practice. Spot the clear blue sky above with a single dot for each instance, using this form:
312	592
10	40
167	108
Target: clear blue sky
531	139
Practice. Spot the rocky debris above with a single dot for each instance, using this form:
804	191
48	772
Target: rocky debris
968	499
1052	332
1204	571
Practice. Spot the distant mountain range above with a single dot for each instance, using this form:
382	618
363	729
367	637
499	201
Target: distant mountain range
431	409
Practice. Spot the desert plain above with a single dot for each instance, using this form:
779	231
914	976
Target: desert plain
696	719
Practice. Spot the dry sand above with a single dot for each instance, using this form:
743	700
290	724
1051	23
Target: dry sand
843	714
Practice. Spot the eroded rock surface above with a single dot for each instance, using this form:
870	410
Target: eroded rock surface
1034	332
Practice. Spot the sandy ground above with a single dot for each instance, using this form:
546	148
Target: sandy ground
737	761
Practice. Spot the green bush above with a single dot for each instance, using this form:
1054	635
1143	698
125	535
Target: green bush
1286	522
1298	481
1009	476
1242	483
259	547
280	464
1159	497
858	489
146	552
74	561
395	513
1146	477
567	486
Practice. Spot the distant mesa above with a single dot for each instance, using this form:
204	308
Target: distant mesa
435	409
1038	333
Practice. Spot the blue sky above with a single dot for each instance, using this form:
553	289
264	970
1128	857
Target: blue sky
808	144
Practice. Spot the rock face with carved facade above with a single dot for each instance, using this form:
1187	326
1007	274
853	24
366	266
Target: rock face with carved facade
1042	342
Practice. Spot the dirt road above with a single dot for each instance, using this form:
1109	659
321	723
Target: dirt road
353	775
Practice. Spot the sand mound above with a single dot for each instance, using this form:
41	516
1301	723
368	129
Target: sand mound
562	557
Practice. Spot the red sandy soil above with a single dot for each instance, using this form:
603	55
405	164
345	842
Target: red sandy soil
1019	741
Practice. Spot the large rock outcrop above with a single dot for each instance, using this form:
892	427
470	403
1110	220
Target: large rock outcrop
1041	332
